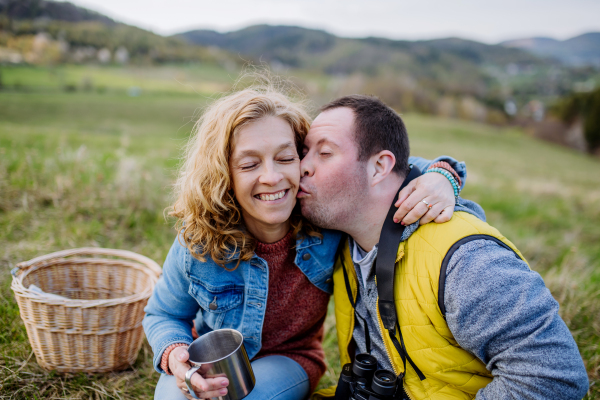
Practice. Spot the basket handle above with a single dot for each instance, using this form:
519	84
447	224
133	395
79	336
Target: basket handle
90	251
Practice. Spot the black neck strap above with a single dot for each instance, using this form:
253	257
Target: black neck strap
391	233
385	266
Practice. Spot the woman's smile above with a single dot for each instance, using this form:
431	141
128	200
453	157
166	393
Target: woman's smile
272	197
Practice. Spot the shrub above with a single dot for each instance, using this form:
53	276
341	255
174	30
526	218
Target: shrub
587	107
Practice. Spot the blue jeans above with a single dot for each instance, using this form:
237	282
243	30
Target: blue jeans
277	378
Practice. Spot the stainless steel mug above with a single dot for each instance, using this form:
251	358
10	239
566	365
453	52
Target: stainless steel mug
222	353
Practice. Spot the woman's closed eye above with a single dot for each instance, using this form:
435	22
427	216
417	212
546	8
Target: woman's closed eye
288	159
248	166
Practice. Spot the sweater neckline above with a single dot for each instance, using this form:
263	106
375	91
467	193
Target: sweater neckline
283	244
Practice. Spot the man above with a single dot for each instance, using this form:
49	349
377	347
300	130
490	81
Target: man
489	329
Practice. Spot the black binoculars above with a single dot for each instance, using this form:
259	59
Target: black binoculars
362	380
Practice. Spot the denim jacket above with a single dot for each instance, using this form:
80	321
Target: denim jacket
227	299
215	298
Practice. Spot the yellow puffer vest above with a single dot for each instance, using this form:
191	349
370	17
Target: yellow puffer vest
451	372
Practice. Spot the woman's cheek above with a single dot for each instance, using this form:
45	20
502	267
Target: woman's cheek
294	176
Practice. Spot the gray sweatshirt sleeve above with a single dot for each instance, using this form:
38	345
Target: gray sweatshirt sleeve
501	311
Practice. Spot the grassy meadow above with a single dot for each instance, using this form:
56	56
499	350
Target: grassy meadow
85	164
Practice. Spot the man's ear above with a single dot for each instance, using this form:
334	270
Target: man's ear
380	166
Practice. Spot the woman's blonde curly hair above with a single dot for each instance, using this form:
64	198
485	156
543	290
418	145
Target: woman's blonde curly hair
209	218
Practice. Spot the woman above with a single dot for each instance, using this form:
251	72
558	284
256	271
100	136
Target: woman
245	258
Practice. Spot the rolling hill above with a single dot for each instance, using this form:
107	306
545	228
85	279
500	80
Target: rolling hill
67	33
578	51
52	10
315	49
408	74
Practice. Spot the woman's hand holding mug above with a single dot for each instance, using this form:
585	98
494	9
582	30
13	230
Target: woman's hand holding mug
205	388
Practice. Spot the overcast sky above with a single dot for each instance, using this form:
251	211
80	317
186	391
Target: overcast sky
490	21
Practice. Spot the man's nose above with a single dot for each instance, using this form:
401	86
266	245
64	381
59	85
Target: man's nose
306	167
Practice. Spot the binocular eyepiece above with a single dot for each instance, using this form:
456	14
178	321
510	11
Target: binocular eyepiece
362	380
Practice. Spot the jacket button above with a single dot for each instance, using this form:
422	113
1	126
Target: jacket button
306	257
329	280
213	306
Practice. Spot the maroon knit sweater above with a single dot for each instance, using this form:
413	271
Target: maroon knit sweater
293	325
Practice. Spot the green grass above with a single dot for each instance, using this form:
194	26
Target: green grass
193	79
78	170
88	169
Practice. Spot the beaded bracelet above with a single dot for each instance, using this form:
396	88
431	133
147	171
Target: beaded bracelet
447	167
164	360
450	178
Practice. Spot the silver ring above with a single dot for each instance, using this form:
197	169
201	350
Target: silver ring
427	204
185	389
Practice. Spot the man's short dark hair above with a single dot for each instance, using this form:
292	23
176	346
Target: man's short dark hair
376	128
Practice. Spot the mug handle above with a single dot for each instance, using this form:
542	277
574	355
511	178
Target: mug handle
188	377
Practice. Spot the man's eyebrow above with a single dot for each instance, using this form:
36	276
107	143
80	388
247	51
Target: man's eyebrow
256	153
326	140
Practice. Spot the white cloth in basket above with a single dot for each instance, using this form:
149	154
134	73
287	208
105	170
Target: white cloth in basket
39	292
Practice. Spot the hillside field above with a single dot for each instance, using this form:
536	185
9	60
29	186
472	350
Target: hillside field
94	168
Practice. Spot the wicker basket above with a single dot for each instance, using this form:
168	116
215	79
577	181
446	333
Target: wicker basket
98	328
